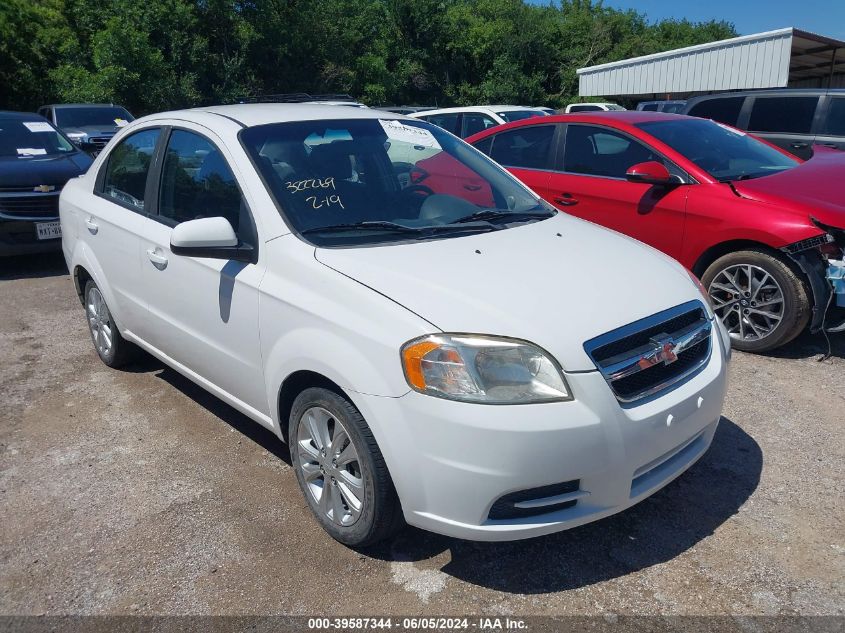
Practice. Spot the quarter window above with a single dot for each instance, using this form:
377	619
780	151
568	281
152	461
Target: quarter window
783	114
196	182
724	110
448	122
128	165
835	124
526	147
601	152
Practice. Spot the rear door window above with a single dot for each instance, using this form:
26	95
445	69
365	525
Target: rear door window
724	110
792	115
127	167
526	147
584	108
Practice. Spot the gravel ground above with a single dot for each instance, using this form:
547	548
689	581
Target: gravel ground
135	492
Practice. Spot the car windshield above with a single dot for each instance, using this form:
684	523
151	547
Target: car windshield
105	116
358	181
518	115
721	151
31	138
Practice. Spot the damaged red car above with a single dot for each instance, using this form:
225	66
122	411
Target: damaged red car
763	230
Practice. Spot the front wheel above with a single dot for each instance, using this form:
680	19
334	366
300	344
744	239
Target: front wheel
341	470
761	300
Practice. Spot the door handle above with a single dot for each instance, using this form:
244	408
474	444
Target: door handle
566	200
158	260
800	145
831	145
92	226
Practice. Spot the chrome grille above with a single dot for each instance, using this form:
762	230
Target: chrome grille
650	355
99	141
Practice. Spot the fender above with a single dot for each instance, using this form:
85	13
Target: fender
332	356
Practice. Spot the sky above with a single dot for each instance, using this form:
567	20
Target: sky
825	17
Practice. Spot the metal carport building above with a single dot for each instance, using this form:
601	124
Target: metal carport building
775	59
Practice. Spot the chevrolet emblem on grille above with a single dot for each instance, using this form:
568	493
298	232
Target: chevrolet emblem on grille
44	188
664	349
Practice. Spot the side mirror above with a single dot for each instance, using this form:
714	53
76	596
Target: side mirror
209	237
652	173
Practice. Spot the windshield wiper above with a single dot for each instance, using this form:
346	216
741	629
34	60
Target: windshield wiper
501	214
393	227
357	226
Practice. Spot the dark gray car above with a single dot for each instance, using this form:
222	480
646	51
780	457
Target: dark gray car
790	118
89	125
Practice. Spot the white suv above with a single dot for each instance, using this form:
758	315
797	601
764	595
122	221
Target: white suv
592	107
432	340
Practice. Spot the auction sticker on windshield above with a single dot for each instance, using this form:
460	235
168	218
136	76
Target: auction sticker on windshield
398	131
38	126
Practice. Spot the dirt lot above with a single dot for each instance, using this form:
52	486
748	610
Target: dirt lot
134	491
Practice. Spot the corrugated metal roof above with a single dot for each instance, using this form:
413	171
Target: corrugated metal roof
762	60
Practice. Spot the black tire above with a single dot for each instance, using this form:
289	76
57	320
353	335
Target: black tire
121	351
381	513
797	307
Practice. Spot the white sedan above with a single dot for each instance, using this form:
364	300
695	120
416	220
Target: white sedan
434	342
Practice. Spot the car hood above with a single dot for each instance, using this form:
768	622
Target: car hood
556	283
816	184
43	170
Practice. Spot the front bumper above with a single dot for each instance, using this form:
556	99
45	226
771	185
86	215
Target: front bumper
451	461
19	237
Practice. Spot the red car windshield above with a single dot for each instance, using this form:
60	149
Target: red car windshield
723	152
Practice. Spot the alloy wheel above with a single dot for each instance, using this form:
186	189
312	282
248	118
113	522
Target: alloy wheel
99	321
330	466
748	300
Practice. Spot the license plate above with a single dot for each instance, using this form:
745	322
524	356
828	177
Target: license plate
48	230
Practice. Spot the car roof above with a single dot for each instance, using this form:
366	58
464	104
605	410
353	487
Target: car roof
252	114
20	116
481	108
771	91
621	119
630	117
82	105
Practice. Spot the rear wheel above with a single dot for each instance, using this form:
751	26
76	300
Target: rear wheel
760	299
110	346
341	470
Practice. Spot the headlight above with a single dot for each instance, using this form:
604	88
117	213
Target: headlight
483	369
76	137
704	294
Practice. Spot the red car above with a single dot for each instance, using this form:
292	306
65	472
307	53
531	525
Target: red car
764	231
